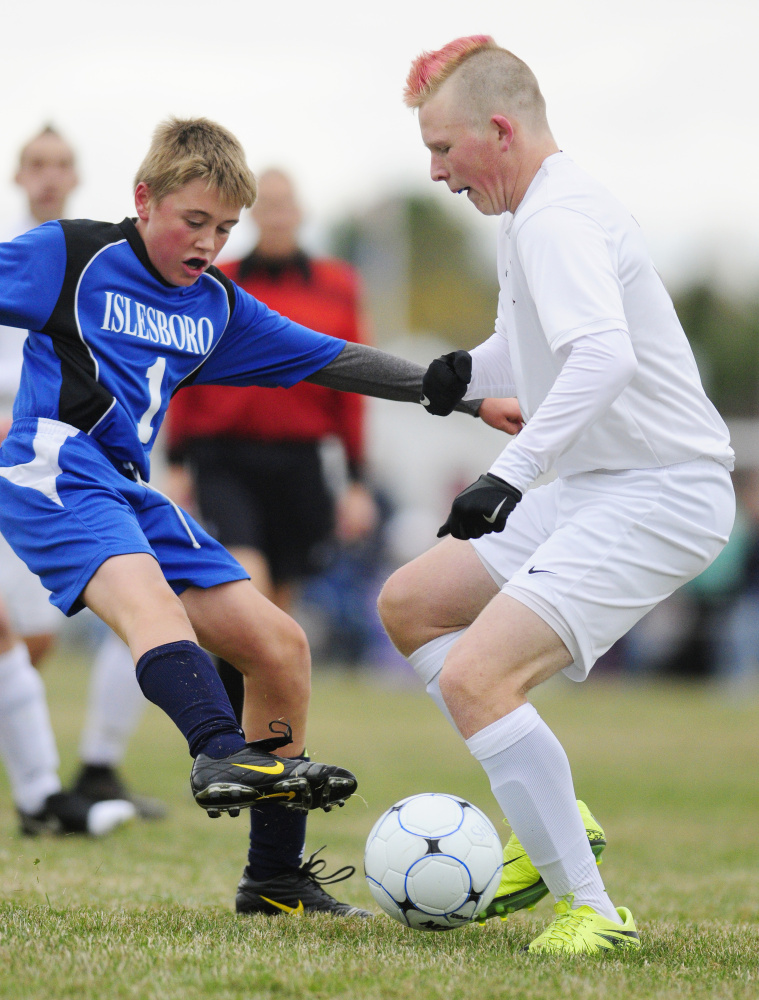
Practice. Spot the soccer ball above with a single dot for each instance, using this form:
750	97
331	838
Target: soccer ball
433	861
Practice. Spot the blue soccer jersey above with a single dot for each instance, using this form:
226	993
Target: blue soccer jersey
110	341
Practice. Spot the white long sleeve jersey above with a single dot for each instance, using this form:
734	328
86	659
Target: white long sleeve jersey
588	340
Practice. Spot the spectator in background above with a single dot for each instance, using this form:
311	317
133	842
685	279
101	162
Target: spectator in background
253	457
28	622
736	632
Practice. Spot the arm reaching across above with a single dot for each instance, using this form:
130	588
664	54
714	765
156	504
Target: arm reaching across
367	370
372	372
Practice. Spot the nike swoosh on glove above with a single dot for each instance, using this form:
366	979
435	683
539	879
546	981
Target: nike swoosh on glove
445	381
481	508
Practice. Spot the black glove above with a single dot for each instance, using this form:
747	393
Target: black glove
481	508
445	382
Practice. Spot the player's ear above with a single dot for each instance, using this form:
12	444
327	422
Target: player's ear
142	201
505	131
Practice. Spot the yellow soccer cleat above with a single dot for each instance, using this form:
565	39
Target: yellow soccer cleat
521	884
583	931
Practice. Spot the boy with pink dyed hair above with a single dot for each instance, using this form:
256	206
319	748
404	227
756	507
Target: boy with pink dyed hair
530	582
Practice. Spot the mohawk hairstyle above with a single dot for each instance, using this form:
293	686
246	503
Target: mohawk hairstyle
430	69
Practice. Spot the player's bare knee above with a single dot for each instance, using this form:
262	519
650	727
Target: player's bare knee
456	685
292	649
463	684
399	610
285	654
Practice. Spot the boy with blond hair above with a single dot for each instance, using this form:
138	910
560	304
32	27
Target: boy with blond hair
536	581
119	317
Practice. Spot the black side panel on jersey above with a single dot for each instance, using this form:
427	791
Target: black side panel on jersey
83	400
229	288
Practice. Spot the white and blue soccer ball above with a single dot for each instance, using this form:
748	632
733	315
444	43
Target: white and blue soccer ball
433	861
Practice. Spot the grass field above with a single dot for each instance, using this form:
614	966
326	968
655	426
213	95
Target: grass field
671	772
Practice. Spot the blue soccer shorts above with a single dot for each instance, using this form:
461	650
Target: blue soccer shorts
65	508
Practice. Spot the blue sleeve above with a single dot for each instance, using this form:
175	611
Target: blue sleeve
32	268
261	347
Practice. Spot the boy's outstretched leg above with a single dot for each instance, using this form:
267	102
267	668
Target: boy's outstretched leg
271	653
130	593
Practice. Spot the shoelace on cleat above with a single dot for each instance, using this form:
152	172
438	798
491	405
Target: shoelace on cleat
311	870
564	926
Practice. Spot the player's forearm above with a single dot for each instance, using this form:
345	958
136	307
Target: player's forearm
492	373
597	370
372	372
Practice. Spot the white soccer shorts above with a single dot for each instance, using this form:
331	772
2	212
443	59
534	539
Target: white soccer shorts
593	553
24	596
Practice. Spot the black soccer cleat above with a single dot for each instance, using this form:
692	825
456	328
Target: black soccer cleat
99	782
65	813
294	892
254	773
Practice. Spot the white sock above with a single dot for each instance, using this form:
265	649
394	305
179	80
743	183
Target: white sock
428	661
532	782
27	743
115	704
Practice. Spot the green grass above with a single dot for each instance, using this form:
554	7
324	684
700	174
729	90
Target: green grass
671	772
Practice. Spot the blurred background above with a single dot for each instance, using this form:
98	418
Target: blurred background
657	99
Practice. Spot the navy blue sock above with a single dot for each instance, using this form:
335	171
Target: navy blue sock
181	679
277	839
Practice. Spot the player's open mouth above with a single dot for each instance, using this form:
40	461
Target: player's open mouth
196	264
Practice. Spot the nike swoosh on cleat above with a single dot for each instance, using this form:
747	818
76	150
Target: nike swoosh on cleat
277	768
424	401
512	860
616	942
494	515
295	910
278	795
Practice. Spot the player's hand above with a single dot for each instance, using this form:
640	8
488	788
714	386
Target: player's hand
179	486
445	382
481	508
356	514
503	414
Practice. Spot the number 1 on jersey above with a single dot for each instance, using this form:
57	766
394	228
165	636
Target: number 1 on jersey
154	375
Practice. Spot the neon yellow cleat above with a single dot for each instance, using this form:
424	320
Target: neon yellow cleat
521	885
584	931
